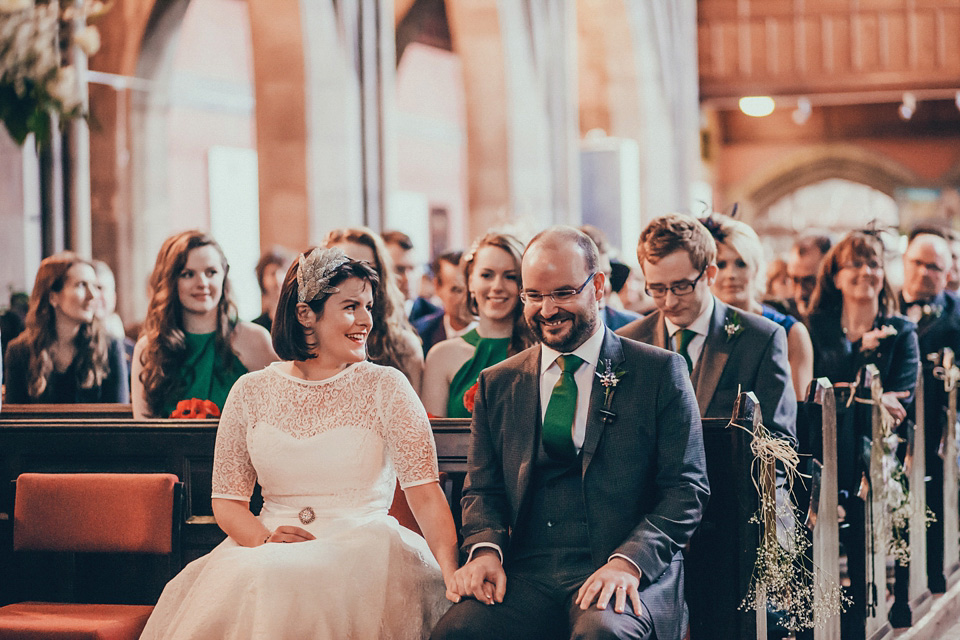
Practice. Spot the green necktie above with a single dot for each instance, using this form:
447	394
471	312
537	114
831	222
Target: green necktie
558	421
684	337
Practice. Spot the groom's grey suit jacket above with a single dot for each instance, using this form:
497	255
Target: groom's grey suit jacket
753	359
644	472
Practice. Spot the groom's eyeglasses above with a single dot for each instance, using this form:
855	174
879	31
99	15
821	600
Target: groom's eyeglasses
559	296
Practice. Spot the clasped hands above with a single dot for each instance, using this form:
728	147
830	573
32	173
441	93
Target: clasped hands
483	578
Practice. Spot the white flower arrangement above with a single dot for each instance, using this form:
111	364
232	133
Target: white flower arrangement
33	81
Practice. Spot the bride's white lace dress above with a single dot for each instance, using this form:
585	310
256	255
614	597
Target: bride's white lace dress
331	451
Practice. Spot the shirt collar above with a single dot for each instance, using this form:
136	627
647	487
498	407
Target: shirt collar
700	325
589	351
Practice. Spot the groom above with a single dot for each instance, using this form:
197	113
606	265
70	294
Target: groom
586	473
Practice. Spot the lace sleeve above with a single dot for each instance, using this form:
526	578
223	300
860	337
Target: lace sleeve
406	430
233	472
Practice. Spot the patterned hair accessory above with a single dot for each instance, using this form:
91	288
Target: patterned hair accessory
315	271
714	227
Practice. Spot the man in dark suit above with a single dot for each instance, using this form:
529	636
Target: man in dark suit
586	473
726	350
452	319
936	312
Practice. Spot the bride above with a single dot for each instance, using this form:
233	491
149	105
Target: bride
326	434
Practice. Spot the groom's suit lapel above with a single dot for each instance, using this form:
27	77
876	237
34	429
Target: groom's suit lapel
612	351
523	436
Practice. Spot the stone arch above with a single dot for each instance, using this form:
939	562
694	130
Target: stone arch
755	195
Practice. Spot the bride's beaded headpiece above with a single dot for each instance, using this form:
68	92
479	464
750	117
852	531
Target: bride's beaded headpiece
315	271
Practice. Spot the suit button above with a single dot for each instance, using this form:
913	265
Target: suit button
549	523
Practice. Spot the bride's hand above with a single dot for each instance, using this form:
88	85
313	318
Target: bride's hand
288	533
451	583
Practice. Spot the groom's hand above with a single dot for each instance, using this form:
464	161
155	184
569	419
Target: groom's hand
482	578
617	578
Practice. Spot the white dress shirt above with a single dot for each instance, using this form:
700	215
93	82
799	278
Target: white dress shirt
550	372
700	325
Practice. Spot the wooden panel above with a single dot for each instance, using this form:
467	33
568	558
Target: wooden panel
926	45
727	49
827	46
895	50
865	42
756	52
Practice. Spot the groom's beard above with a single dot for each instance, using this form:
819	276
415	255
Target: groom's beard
581	327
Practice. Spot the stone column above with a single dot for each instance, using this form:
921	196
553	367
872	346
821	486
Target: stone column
20	233
80	235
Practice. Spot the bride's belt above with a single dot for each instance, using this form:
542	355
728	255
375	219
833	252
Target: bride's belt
307	511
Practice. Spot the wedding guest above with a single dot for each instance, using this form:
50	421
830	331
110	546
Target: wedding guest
739	263
326	434
453	319
492	269
726	351
613	317
192	347
778	285
13	320
400	247
107	300
936	312
392	340
64	354
574	523
853	322
802	267
270	270
953	277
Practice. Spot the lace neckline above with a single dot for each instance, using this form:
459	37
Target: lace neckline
277	368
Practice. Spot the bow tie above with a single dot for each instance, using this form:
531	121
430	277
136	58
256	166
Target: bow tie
916	303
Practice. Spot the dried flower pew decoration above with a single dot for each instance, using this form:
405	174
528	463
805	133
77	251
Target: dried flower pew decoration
782	577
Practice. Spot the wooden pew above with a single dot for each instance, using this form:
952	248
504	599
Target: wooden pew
876	537
66	411
817	434
945	530
719	560
912	595
182	447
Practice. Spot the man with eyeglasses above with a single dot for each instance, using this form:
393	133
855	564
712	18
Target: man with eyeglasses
726	350
586	473
936	312
802	267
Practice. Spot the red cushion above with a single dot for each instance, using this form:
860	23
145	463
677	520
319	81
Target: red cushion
119	512
58	621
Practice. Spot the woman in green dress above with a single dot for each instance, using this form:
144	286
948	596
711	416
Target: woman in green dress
493	295
192	348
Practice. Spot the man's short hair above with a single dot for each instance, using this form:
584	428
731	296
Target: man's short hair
677	232
819	242
591	255
932	228
398	238
450	257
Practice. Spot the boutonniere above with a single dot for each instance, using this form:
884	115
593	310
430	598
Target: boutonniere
609	379
932	311
870	341
732	325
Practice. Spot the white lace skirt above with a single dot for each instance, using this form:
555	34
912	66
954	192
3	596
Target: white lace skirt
362	578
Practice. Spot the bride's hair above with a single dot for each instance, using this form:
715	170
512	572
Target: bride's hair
289	337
